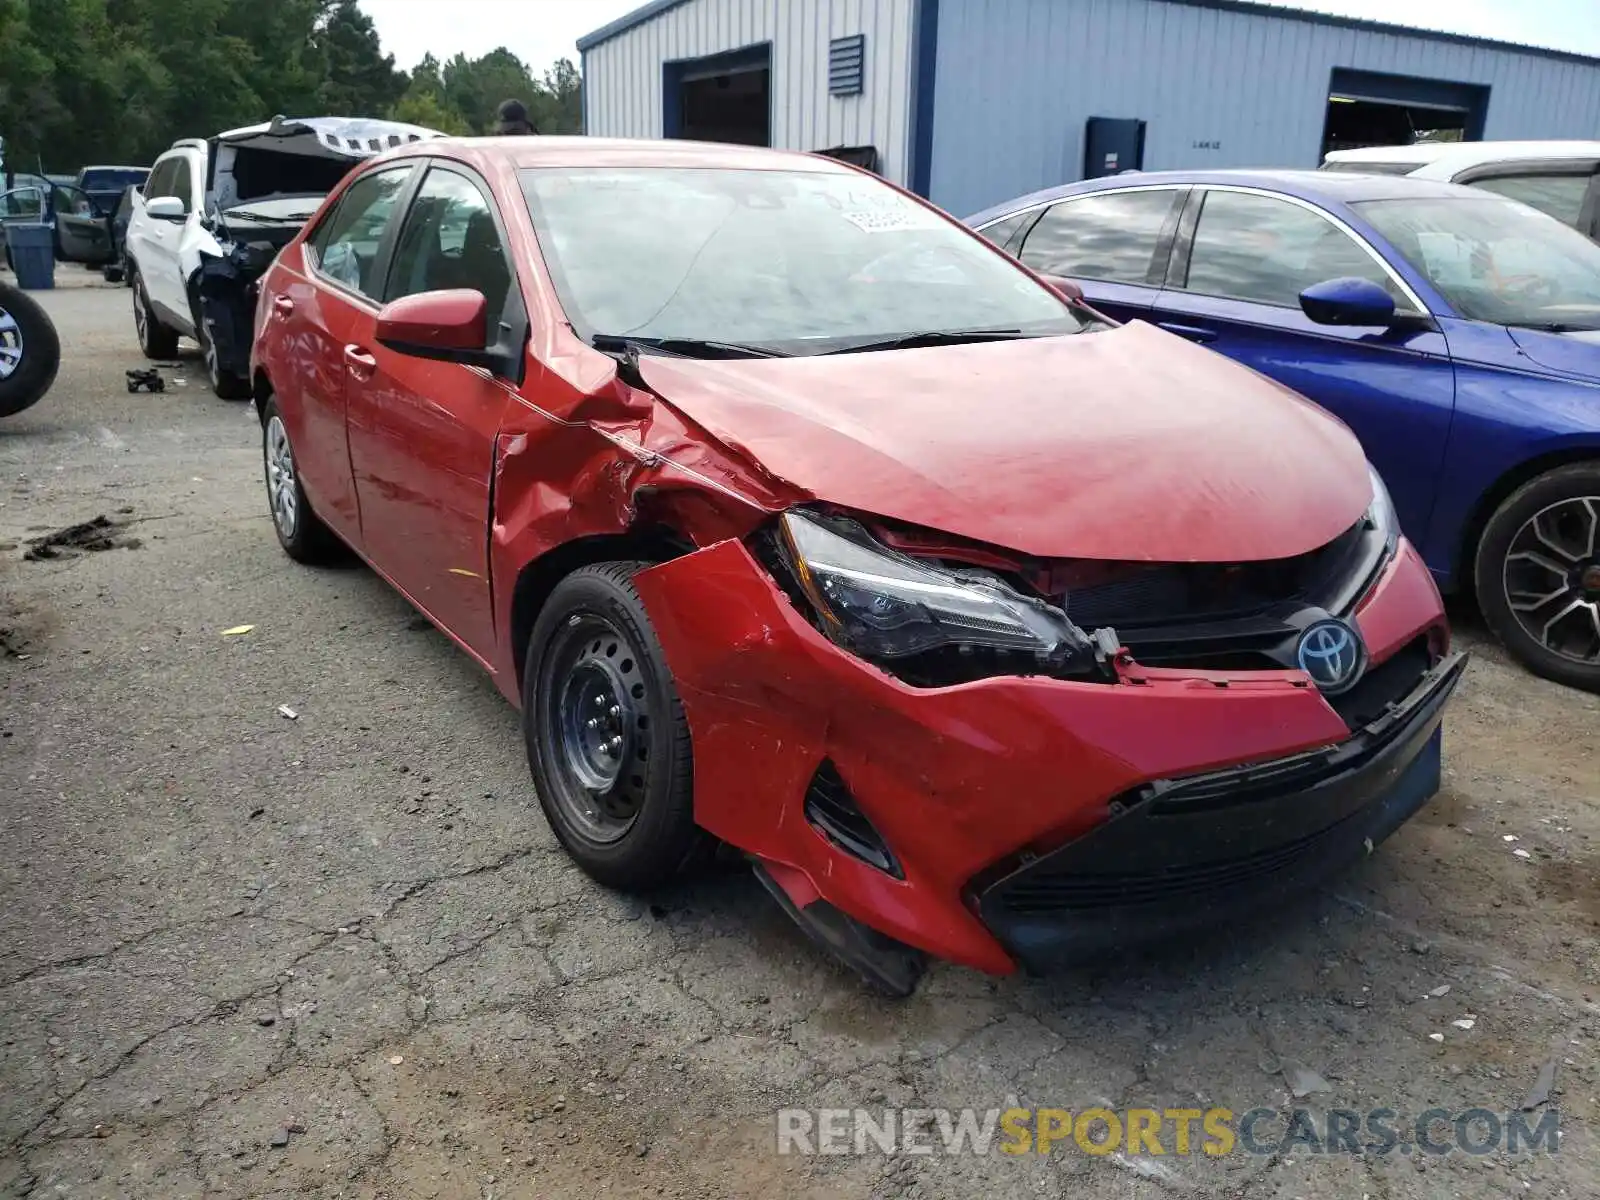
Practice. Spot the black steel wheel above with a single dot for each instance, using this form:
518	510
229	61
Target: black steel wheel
1538	575
30	351
607	741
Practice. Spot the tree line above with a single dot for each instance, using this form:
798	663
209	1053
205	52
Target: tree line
117	81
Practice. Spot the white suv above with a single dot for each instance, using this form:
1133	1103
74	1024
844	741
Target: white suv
1558	178
213	216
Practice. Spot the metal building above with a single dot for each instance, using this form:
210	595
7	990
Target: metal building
972	101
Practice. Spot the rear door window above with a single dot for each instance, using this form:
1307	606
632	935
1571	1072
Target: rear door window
347	245
1112	237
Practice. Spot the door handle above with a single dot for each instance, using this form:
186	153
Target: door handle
359	363
282	305
1193	332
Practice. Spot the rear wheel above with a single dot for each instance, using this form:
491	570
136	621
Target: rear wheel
1538	575
30	351
607	741
155	339
300	531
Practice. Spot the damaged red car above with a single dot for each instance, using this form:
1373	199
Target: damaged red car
803	524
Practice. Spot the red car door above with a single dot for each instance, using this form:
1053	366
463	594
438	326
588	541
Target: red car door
422	433
312	317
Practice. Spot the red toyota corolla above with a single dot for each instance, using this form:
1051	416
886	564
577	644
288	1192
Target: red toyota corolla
799	519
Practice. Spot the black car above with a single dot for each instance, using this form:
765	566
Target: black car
84	231
105	185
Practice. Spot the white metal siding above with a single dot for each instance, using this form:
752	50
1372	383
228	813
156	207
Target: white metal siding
622	77
1017	79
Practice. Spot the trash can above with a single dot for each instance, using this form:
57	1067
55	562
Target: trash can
31	247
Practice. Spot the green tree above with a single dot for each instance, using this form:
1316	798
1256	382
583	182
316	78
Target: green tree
426	109
359	78
565	88
85	81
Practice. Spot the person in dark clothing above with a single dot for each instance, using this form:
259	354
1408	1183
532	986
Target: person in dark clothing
514	119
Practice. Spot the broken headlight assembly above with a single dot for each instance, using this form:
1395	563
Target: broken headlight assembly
892	609
1380	514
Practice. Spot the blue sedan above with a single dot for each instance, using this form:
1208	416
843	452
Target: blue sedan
1456	332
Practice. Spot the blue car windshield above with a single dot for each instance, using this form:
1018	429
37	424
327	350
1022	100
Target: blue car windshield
797	261
1496	260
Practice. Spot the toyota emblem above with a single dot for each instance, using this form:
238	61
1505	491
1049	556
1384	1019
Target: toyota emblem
1331	653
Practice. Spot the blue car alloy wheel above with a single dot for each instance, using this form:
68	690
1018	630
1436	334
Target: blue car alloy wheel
1538	574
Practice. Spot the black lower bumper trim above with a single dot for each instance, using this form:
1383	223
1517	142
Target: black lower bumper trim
1189	854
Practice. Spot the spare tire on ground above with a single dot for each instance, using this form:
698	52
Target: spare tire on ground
30	351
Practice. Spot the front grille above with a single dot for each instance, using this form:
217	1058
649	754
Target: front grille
1038	894
1164	594
833	812
1384	685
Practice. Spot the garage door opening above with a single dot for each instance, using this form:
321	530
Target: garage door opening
724	98
1369	109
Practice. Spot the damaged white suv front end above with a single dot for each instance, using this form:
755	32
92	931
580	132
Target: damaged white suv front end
214	215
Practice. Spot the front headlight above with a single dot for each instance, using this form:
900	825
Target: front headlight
1381	514
884	605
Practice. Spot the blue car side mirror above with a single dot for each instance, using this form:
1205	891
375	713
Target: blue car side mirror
1347	302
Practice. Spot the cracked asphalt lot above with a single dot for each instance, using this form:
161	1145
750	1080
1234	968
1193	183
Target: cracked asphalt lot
341	955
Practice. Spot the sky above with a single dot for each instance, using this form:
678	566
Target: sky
541	31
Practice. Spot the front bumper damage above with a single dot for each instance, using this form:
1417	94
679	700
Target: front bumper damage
227	287
1195	853
928	813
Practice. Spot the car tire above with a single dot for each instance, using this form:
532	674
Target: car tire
300	531
30	351
627	818
155	339
225	384
1543	544
112	273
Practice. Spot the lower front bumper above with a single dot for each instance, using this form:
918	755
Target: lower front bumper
1197	853
888	801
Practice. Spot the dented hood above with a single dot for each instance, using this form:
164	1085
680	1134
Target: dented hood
1127	444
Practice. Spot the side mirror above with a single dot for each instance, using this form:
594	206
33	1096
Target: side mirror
166	208
1065	288
449	326
1348	302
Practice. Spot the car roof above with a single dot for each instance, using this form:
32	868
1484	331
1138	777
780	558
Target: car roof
1462	155
1337	187
110	167
542	151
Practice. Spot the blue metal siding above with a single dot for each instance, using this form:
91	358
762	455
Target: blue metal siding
623	71
1015	81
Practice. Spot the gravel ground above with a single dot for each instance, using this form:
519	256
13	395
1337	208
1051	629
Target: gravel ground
342	955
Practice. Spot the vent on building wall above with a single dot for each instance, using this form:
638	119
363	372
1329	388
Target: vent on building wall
846	62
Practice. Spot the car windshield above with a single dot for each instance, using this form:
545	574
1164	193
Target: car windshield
799	262
1496	260
112	179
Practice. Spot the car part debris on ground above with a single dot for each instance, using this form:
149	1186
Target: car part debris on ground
149	380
